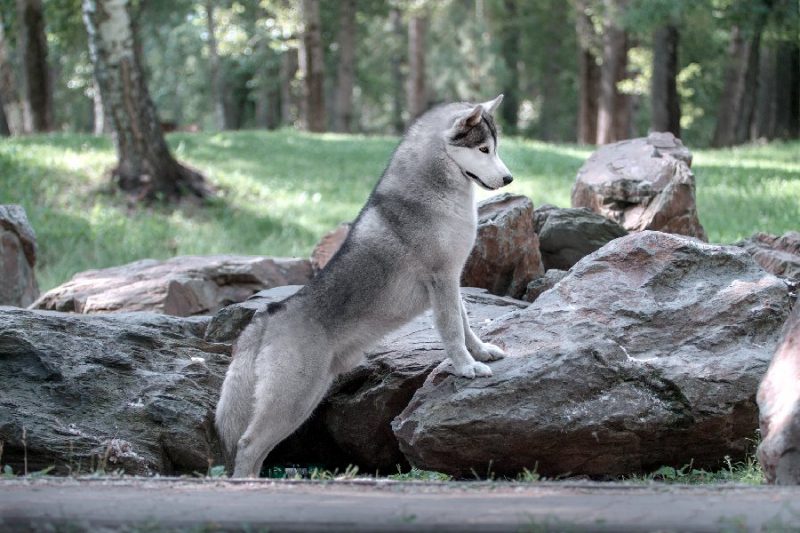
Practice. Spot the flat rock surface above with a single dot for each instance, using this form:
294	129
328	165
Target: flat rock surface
158	505
181	286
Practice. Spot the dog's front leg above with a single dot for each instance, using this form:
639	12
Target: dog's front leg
446	303
482	351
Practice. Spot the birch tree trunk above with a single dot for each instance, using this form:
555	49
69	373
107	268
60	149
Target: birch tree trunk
37	88
665	104
346	71
417	82
145	167
314	65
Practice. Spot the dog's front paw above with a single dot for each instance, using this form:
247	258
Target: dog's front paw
488	352
472	370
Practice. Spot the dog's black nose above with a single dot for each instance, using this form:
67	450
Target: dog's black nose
507	180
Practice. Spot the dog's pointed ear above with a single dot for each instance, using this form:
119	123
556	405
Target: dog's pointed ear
471	120
491	105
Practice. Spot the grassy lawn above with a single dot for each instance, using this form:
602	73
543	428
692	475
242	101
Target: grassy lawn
279	191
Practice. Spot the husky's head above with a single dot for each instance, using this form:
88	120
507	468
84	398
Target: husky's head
472	143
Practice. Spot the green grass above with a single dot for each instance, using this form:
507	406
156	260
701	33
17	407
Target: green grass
280	191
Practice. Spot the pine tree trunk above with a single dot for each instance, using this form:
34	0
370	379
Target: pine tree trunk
764	122
5	131
217	83
588	75
37	88
510	51
8	87
737	104
289	66
398	46
145	167
314	67
787	91
346	71
417	80
665	111
613	114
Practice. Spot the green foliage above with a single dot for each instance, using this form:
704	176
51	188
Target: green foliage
748	472
416	474
280	191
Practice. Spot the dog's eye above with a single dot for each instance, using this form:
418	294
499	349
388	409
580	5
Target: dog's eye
484	149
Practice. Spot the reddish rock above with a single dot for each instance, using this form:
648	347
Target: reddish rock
506	254
779	255
328	246
18	285
181	286
643	183
648	353
779	405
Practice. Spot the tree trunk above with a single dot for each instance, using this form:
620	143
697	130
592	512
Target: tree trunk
5	131
613	114
737	104
665	111
37	88
787	91
417	80
510	51
8	87
145	166
764	122
289	66
399	38
101	123
588	75
314	66
217	83
347	66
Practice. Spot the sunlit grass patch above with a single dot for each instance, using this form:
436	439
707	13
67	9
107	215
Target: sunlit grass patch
278	192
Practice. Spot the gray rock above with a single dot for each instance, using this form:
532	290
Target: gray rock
538	286
642	184
648	353
779	406
181	286
126	391
568	235
779	255
18	285
505	257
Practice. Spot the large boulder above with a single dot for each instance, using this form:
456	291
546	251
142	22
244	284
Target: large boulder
506	253
648	353
353	423
777	254
568	235
779	405
643	183
134	392
181	286
18	285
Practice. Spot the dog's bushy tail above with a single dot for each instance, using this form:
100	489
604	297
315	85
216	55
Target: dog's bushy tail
235	406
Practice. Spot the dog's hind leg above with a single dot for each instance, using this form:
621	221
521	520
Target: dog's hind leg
285	397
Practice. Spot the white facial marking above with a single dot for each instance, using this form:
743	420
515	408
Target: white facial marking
487	170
